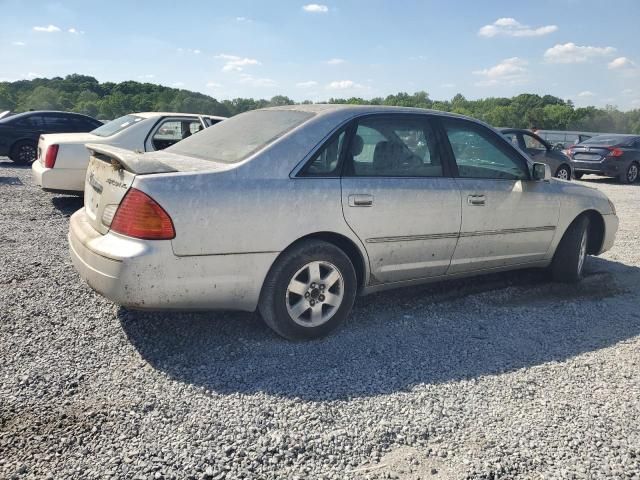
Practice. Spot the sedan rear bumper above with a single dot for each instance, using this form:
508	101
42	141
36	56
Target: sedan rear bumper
146	274
607	167
58	179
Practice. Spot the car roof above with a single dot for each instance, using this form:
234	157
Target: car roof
175	114
345	111
41	112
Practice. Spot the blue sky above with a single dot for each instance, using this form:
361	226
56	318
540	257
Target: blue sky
584	50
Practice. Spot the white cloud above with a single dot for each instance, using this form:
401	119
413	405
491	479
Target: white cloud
33	75
586	94
619	63
243	19
335	61
147	76
257	82
511	71
627	91
213	85
343	85
572	53
47	29
75	31
448	85
309	84
234	63
510	27
18	44
177	84
315	8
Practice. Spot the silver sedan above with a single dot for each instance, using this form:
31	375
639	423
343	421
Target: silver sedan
293	211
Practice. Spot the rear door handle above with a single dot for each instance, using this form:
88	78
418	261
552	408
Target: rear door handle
476	200
360	200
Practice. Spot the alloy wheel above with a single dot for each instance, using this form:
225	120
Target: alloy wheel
632	173
27	154
562	174
314	294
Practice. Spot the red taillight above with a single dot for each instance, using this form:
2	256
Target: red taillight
140	216
615	152
50	156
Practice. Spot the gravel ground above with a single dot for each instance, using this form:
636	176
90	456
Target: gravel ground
503	376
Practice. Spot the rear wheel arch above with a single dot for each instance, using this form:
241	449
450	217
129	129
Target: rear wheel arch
356	255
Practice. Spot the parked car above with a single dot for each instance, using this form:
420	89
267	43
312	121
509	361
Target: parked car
540	151
562	140
295	210
608	155
19	133
63	159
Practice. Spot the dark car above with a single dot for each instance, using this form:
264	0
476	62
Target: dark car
540	151
609	156
19	133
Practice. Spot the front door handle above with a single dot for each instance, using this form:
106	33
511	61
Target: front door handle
360	200
476	200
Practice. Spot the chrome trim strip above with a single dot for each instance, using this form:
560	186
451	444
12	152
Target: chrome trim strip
439	236
411	238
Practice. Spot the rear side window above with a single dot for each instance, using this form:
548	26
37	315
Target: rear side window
326	161
479	153
238	137
394	146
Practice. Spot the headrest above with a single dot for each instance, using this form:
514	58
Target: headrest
357	144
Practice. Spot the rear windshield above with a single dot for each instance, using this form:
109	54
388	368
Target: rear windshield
608	140
116	125
235	139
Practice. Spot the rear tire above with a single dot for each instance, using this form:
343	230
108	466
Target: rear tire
631	174
24	152
309	291
568	261
563	173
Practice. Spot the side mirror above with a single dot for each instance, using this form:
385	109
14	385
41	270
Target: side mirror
541	172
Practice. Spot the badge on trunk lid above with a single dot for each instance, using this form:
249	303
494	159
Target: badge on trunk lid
95	184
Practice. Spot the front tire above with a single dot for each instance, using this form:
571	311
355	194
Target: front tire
309	291
568	261
631	174
563	173
24	152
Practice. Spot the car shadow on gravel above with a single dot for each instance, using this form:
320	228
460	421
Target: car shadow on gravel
395	340
68	204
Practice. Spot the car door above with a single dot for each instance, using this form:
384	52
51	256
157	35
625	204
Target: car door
507	219
398	197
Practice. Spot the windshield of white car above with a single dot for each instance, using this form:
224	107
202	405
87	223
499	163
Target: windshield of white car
237	138
116	125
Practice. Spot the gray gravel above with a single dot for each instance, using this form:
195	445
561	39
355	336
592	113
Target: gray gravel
504	376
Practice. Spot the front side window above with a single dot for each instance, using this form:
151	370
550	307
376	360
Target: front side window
31	121
391	146
479	153
532	143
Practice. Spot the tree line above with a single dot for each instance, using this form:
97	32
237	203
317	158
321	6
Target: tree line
108	100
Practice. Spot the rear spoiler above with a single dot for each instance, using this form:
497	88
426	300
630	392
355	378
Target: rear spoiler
131	161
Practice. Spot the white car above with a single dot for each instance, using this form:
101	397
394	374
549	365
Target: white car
62	160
